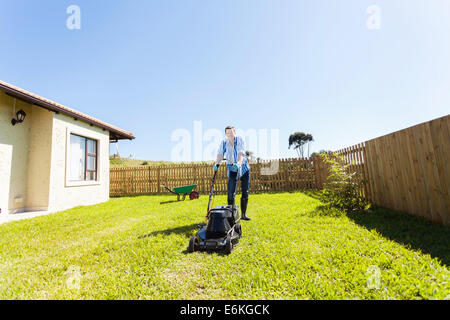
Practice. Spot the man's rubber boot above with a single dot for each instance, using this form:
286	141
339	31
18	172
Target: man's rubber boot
244	209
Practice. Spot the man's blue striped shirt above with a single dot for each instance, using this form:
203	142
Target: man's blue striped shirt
231	153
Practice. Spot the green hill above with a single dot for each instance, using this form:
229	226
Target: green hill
127	162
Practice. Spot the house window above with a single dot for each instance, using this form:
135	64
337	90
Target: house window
83	158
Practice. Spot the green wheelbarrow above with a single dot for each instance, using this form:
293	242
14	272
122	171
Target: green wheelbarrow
184	191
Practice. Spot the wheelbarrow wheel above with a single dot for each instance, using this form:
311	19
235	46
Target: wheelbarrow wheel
193	244
194	195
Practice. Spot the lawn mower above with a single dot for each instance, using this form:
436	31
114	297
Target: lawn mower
222	229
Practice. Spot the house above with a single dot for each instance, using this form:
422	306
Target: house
52	157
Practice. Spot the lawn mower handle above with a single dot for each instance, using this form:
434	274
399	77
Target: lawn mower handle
235	190
211	191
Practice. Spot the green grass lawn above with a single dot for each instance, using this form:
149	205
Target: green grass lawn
135	248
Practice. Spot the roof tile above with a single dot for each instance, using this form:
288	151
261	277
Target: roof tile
67	110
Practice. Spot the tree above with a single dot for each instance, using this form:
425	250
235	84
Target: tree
309	139
298	140
318	154
249	155
344	184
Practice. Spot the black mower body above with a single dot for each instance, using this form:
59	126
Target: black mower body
222	232
221	220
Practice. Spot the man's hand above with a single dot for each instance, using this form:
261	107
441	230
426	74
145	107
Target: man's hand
235	167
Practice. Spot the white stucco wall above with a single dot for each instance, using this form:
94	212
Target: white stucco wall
14	141
63	194
39	159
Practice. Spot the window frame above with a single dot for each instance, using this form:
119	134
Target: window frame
87	155
87	136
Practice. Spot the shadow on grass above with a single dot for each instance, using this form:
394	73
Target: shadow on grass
186	230
316	194
170	201
218	252
413	232
322	209
405	229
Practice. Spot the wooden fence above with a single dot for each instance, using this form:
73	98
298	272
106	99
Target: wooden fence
266	176
408	170
355	156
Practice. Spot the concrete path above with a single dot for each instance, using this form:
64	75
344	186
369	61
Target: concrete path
4	218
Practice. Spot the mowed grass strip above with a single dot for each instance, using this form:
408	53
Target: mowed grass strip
135	248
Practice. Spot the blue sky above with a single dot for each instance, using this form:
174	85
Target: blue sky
152	67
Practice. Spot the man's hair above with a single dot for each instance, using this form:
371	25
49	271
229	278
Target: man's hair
229	127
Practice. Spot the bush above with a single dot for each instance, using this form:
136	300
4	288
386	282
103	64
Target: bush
342	189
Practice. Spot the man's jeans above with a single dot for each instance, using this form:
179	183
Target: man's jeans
245	185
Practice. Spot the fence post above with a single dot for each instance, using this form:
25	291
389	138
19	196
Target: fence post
158	172
318	171
194	173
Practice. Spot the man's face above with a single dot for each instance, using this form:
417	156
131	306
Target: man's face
231	134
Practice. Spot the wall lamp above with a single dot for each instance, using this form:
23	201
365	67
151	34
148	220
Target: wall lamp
20	116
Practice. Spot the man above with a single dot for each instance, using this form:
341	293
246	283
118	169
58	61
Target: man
232	148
